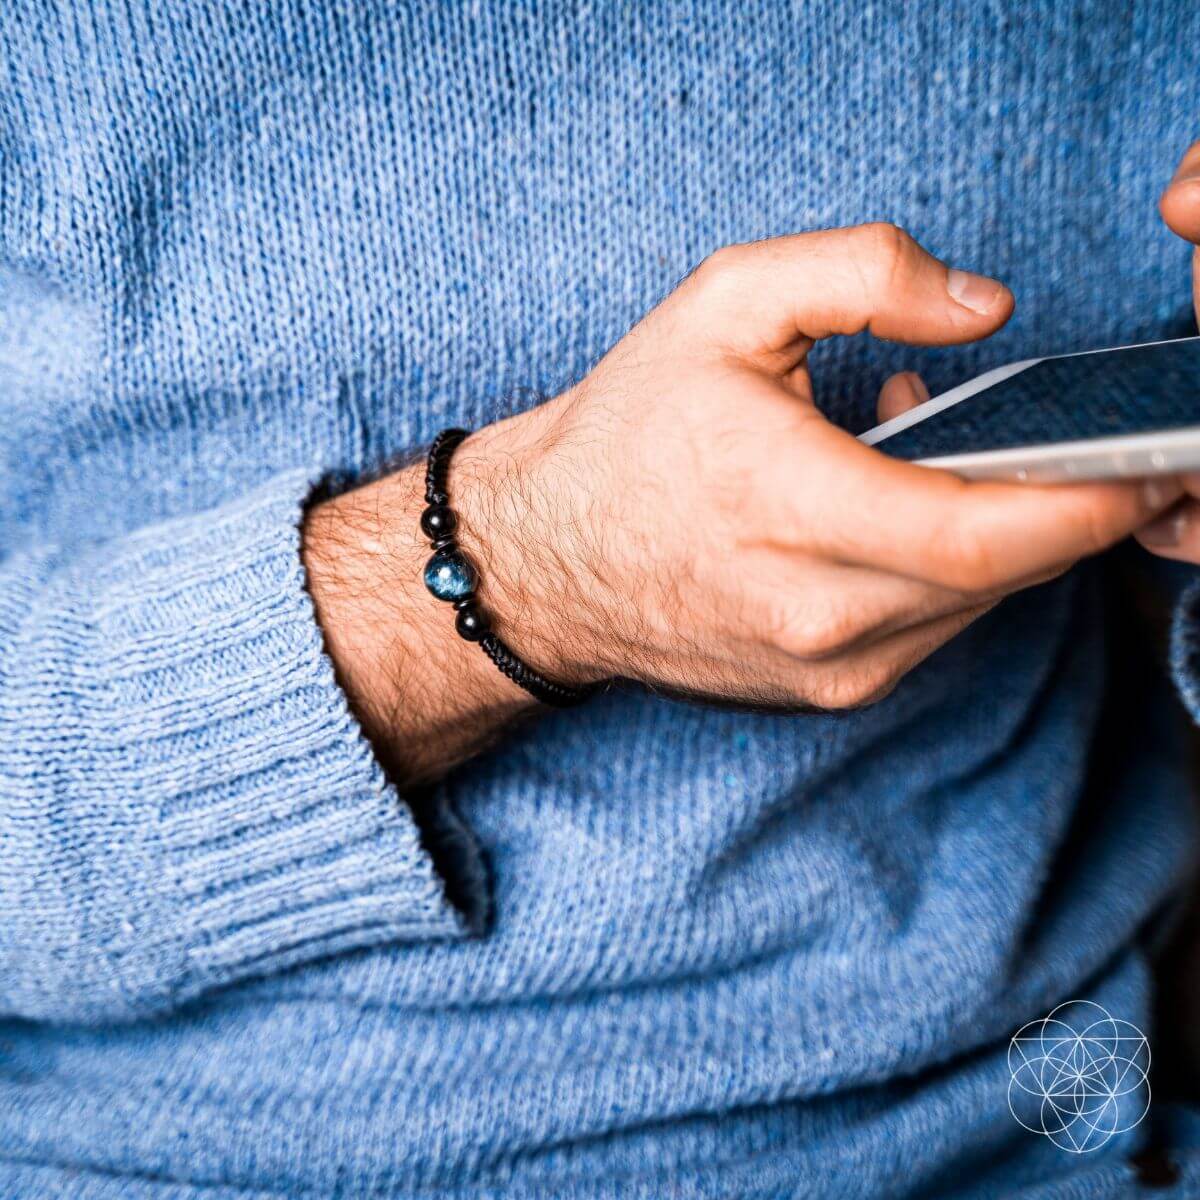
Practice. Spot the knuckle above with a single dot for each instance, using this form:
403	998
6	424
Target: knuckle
879	686
1096	532
971	564
857	687
888	248
723	265
814	633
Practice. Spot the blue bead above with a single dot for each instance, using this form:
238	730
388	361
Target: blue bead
449	575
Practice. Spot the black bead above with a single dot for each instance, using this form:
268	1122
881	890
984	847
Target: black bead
470	622
438	521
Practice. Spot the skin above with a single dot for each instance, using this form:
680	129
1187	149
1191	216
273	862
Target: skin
684	516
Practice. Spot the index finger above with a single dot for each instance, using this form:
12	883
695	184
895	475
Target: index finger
863	507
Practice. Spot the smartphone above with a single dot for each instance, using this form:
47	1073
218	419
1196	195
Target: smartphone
1131	411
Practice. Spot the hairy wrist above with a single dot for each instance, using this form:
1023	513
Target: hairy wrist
425	698
527	521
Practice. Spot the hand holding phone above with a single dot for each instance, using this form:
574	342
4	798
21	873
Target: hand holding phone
699	526
1140	421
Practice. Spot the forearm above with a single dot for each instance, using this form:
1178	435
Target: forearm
427	698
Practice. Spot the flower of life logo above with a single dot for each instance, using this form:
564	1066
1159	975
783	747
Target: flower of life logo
1079	1076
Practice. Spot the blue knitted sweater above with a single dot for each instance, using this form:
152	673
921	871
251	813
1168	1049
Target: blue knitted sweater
247	247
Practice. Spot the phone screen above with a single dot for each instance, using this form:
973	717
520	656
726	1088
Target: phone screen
1105	393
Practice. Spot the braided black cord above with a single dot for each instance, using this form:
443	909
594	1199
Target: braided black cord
559	695
437	496
437	465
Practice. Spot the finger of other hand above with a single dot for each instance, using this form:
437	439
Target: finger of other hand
901	392
1180	203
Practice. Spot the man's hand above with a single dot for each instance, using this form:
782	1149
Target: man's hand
686	518
712	534
1176	534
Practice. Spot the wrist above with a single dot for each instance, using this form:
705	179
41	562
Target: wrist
520	522
425	698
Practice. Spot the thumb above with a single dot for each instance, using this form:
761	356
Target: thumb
768	301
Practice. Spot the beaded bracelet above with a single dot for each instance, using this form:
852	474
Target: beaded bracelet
451	576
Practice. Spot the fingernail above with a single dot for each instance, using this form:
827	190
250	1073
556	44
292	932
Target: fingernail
1167	530
1187	172
1152	494
976	292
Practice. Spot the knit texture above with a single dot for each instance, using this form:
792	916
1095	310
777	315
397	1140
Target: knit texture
244	248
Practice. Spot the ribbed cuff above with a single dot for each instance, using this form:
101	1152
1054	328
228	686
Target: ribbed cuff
275	837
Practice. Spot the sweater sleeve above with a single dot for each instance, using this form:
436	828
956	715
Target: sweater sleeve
186	799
